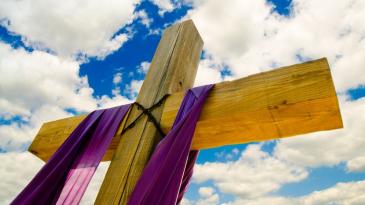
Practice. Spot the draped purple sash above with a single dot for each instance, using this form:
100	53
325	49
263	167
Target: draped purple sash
64	178
166	176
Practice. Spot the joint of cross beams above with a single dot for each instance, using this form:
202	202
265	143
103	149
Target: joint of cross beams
148	113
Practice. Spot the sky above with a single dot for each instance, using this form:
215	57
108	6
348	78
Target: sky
63	58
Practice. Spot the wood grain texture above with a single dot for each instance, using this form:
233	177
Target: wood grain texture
289	101
172	69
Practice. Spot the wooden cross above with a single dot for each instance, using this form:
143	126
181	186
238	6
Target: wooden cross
284	102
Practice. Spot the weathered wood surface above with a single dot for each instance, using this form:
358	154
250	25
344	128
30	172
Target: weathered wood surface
289	101
172	69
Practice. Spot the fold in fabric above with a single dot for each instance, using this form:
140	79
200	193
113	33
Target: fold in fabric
166	176
64	178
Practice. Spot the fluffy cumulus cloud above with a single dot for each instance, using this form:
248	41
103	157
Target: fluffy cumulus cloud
117	78
208	196
253	175
17	136
342	193
143	67
244	36
133	88
31	79
356	164
36	87
208	72
249	37
253	178
164	5
69	27
143	16
20	166
23	166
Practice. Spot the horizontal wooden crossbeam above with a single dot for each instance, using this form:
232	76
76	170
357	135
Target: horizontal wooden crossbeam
284	102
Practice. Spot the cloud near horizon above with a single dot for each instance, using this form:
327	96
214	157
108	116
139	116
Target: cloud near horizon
241	37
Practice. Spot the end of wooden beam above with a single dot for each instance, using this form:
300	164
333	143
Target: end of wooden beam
190	23
289	101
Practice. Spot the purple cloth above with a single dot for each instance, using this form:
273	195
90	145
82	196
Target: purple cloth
64	178
165	178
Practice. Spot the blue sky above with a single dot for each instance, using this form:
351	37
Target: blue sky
57	64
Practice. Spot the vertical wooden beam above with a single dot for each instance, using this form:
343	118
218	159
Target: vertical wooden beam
172	69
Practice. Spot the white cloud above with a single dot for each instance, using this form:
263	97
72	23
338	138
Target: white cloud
357	164
223	155
70	27
206	191
164	6
253	175
208	73
31	79
23	166
342	193
116	100
133	88
244	35
186	201
17	136
16	170
208	196
143	67
38	87
143	16
117	78
249	38
228	27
